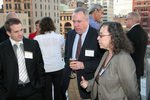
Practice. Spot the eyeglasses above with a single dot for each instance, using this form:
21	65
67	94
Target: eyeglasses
102	35
127	19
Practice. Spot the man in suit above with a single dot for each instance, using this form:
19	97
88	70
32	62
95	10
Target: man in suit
88	57
139	39
3	34
96	14
21	67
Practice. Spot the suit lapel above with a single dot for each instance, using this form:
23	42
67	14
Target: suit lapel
9	50
101	63
72	41
86	42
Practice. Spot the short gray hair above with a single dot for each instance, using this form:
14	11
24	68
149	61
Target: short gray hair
85	12
93	7
136	16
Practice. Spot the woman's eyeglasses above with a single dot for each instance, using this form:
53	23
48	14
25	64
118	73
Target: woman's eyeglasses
102	35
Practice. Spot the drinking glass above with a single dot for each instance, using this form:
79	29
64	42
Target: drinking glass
72	75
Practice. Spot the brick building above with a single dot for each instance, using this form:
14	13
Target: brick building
143	7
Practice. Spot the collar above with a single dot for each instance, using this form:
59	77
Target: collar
134	25
91	18
14	42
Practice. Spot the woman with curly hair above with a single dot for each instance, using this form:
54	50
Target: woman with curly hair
115	77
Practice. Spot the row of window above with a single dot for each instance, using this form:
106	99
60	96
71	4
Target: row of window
139	2
27	6
47	7
66	17
17	6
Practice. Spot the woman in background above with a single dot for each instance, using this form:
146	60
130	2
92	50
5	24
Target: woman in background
51	45
115	77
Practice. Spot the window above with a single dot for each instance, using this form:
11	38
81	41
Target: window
48	7
29	29
19	6
25	6
45	6
29	14
41	14
60	17
36	13
41	6
70	17
9	6
24	30
57	14
6	6
15	6
54	7
28	5
29	21
57	20
35	6
54	14
45	14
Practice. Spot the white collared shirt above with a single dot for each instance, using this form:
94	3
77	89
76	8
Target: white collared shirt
51	45
76	42
14	42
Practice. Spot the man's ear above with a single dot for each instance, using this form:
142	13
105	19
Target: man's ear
8	33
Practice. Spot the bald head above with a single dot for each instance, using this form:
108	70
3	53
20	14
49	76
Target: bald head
11	15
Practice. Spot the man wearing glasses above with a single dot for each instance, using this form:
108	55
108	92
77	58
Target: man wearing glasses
139	39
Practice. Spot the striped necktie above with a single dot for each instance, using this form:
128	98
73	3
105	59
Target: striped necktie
21	63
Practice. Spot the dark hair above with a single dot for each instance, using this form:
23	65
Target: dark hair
119	40
47	25
10	22
37	22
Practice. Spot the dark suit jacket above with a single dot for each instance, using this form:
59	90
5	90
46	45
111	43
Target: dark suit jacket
3	34
90	63
9	68
140	40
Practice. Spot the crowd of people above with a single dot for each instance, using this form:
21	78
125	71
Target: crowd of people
108	62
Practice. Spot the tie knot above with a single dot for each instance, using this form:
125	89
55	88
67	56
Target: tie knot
80	35
18	45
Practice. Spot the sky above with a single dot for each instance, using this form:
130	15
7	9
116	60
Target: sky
1	2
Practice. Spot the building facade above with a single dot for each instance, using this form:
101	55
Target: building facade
23	18
66	22
36	9
143	7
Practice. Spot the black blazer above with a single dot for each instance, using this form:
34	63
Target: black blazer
3	34
9	68
140	40
90	63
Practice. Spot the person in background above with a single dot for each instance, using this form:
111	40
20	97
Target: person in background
51	44
37	32
139	40
96	14
115	77
21	65
81	44
3	34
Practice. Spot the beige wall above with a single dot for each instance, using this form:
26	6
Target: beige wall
23	18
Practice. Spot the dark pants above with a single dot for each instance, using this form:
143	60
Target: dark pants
26	92
54	78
